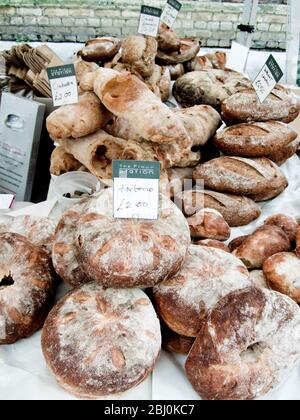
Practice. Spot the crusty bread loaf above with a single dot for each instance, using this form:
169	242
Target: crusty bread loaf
259	177
176	70
128	97
63	162
209	87
209	224
138	53
175	343
160	82
78	120
272	139
167	39
188	49
281	105
287	223
282	273
207	275
100	49
262	244
236	210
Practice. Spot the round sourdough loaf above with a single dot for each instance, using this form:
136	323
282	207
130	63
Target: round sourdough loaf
236	210
100	341
130	253
100	49
244	106
260	177
282	274
207	275
27	288
247	346
272	139
209	224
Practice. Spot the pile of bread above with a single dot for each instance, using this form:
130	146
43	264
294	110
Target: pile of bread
120	115
241	338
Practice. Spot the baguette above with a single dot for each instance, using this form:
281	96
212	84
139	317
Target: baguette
259	178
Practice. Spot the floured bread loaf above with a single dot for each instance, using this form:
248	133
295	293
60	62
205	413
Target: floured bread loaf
207	275
210	87
167	39
97	151
129	98
78	120
259	178
248	345
281	105
37	230
83	67
212	243
237	211
62	162
138	53
98	342
160	82
262	244
100	49
27	287
282	272
130	253
188	49
272	139
209	224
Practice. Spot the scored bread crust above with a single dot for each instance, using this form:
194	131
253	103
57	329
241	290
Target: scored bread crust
138	54
207	275
247	346
98	342
131	253
236	210
272	139
281	105
24	304
257	177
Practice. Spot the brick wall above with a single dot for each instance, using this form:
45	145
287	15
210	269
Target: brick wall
77	20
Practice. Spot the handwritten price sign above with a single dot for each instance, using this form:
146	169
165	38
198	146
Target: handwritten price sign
170	12
149	21
267	78
136	189
63	85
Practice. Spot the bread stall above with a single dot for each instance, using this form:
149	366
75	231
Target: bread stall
201	303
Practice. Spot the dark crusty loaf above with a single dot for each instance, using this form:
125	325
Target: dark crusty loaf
281	105
236	210
274	140
259	177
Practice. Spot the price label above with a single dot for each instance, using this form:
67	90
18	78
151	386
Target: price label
6	201
149	21
63	84
267	78
170	12
136	189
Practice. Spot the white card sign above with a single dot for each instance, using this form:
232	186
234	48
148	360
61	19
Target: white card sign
238	56
267	78
63	84
149	21
170	12
6	201
136	189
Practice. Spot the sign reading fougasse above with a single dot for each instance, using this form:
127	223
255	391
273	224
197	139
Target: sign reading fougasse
149	21
267	78
136	189
63	84
170	12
